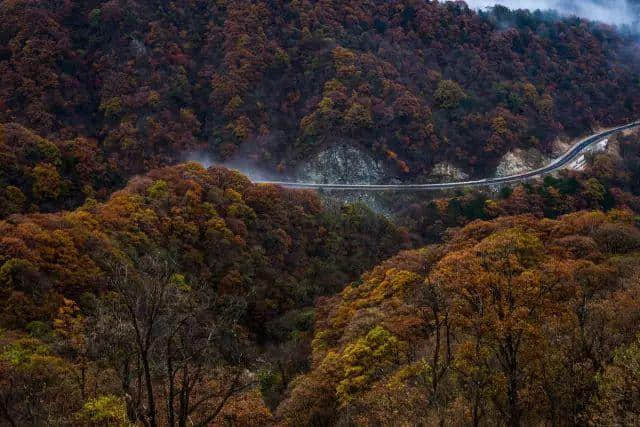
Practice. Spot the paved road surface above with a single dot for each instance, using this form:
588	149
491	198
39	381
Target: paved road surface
558	163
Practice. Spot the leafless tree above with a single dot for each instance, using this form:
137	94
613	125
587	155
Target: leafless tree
172	342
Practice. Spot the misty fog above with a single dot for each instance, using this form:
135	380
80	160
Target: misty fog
247	168
617	12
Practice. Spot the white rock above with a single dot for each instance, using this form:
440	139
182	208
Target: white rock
519	161
342	164
446	172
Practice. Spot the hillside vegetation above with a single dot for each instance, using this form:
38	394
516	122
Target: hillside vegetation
137	289
182	251
511	322
411	81
610	180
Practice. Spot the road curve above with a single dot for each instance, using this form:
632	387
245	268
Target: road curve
556	164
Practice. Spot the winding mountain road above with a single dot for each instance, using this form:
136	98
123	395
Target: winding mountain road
556	164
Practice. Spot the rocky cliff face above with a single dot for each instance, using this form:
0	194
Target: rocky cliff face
446	172
342	164
519	160
347	164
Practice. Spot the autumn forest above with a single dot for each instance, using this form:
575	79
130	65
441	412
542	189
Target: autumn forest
141	288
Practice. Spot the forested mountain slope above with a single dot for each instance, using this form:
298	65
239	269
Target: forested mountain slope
215	269
414	82
610	180
517	321
138	291
282	248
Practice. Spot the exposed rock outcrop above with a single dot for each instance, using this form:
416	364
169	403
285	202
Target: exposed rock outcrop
519	160
446	172
346	164
342	164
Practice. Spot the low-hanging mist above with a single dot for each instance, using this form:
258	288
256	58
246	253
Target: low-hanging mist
245	167
616	12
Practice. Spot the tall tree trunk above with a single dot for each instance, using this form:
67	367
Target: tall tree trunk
170	393
512	394
184	397
4	409
130	401
151	410
476	408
